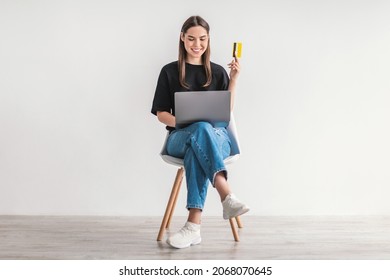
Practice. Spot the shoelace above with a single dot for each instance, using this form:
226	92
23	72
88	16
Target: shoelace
231	202
186	231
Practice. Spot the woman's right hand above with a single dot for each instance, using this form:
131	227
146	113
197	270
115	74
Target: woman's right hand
166	118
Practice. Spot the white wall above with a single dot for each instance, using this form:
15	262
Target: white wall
77	80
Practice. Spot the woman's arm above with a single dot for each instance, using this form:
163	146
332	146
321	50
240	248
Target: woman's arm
166	118
234	73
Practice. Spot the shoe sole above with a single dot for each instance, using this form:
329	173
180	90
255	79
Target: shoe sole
239	212
194	242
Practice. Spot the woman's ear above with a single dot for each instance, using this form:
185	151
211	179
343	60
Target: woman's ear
182	36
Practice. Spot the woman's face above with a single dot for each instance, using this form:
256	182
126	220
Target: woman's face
195	42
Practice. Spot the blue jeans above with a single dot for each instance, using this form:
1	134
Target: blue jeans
203	149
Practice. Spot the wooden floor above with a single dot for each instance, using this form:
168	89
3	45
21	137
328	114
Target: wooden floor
105	238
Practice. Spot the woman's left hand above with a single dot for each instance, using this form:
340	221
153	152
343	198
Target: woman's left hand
234	69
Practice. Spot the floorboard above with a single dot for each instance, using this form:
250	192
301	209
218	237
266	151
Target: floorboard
263	237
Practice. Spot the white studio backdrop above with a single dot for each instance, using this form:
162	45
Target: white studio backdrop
77	80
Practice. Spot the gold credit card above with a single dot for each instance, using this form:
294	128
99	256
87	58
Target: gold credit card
237	49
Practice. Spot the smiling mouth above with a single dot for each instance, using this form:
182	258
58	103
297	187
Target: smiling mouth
196	50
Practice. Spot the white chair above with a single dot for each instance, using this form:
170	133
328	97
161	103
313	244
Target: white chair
234	155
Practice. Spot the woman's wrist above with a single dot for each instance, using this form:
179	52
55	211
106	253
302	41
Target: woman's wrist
233	82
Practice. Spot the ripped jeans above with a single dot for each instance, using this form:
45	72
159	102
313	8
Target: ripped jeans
203	149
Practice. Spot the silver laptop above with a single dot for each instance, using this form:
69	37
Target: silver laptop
209	106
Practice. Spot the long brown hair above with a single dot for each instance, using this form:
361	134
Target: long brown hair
191	22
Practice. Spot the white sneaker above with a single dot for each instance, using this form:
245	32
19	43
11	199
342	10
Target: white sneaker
187	236
232	207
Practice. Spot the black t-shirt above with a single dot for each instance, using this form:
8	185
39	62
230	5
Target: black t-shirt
168	83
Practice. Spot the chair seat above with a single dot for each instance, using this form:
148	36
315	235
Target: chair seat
180	162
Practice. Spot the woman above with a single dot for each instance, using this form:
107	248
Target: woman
202	146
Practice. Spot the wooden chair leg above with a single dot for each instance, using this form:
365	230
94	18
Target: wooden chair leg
171	203
234	230
239	223
178	181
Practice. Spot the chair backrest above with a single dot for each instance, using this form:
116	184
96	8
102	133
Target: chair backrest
234	153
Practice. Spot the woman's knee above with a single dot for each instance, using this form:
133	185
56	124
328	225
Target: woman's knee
203	126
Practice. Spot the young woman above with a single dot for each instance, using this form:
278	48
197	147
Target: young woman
202	146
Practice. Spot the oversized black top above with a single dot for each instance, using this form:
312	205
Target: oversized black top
168	83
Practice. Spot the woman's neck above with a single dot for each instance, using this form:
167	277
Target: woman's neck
194	61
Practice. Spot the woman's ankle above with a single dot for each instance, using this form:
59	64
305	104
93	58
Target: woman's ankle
195	216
